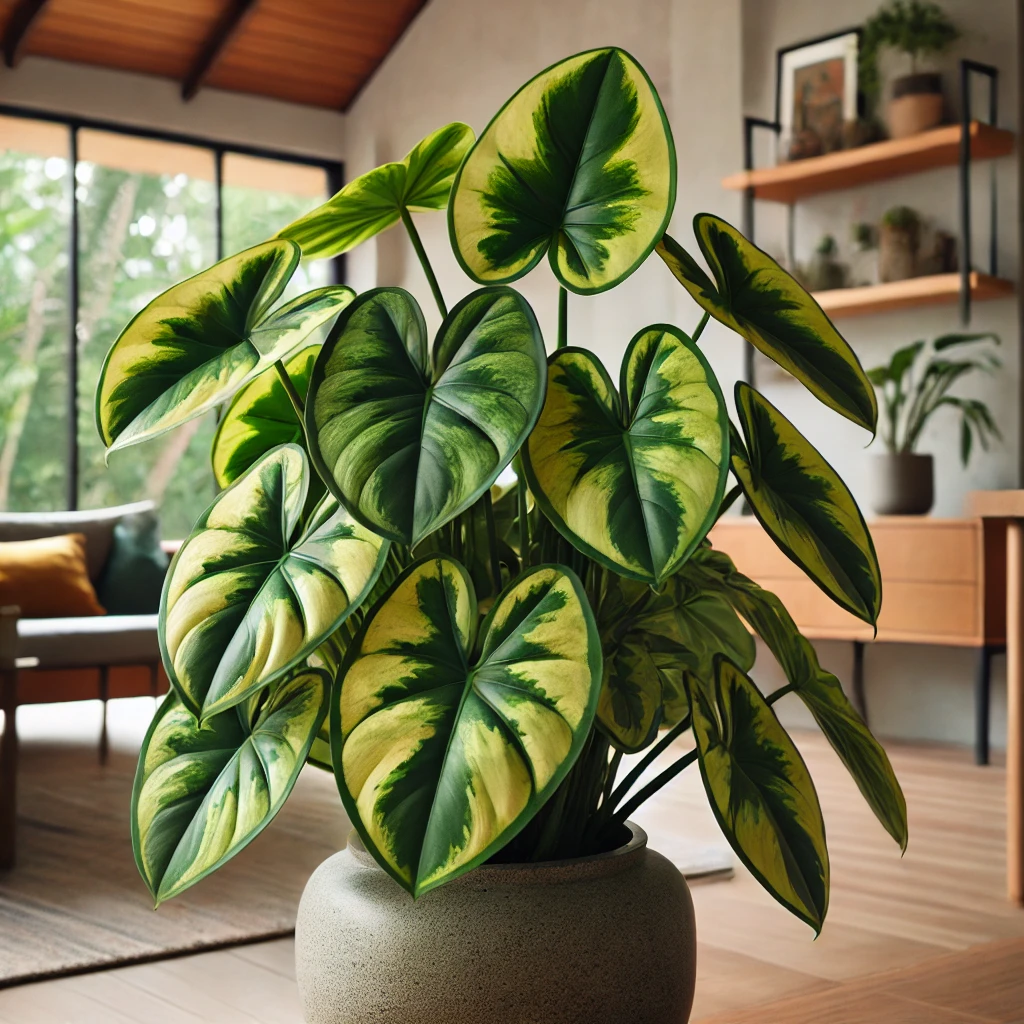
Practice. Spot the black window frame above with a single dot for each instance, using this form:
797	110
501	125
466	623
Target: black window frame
334	171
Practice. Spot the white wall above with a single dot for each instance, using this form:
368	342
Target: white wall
149	102
913	692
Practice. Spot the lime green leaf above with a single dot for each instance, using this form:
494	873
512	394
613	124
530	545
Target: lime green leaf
864	757
374	201
580	164
805	507
259	418
443	755
406	441
248	596
196	344
761	792
203	792
633	482
755	297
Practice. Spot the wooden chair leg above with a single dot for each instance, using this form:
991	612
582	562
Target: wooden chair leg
860	699
8	768
104	696
983	702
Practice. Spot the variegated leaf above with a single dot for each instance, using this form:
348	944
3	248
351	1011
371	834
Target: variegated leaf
248	596
203	792
761	792
261	417
633	482
580	164
805	507
650	638
864	757
755	297
196	344
442	755
408	441
375	200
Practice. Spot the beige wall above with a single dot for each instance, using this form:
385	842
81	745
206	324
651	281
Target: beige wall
145	101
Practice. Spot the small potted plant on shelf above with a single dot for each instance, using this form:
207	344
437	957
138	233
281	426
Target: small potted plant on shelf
899	240
474	662
913	387
916	28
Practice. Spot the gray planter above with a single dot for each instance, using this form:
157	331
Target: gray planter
607	939
903	483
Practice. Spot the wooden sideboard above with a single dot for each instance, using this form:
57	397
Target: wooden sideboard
943	582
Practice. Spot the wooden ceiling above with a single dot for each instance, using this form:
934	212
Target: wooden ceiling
315	52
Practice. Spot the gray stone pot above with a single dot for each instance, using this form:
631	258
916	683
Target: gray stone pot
607	939
903	483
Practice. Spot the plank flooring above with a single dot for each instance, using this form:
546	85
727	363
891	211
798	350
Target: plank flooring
923	939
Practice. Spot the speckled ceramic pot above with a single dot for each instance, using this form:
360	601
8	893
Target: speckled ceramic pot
601	940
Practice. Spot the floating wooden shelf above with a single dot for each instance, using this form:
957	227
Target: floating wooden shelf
934	290
939	147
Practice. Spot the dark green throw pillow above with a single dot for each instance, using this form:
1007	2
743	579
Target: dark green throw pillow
134	573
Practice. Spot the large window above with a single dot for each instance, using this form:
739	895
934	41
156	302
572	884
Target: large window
148	212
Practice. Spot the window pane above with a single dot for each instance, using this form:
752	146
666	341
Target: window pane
261	197
146	221
34	216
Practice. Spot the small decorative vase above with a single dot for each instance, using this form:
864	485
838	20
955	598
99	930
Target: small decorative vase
597	940
917	104
903	483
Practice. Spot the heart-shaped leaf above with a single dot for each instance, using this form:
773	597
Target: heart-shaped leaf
805	507
650	638
755	297
247	597
761	792
408	442
633	483
580	164
203	792
864	757
261	417
375	200
443	755
196	344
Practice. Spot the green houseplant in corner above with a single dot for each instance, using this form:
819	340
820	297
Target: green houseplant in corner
913	386
474	661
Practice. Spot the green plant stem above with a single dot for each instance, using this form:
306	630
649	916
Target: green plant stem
613	770
700	327
293	396
522	509
653	786
421	253
780	692
728	500
648	759
492	541
563	318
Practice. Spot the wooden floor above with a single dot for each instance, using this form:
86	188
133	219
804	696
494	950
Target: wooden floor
926	939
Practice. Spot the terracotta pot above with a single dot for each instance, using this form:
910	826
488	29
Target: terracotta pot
903	483
916	106
599	940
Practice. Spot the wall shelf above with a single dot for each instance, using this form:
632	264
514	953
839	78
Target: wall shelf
940	147
933	290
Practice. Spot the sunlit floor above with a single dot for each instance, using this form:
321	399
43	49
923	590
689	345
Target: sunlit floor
926	939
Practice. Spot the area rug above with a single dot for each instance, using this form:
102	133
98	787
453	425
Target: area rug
75	902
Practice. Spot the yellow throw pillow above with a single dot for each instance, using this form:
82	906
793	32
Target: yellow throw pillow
47	578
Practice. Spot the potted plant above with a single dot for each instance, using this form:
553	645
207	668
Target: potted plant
913	387
916	28
474	662
898	243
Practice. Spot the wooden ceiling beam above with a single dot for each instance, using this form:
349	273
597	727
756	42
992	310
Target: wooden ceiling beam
228	26
19	26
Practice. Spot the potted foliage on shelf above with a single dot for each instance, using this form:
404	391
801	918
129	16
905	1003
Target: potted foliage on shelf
914	386
917	29
473	662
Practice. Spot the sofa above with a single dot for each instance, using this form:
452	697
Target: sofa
52	660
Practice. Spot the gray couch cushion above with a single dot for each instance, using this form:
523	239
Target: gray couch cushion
97	525
89	641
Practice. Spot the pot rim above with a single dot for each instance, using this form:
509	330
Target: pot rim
547	872
900	456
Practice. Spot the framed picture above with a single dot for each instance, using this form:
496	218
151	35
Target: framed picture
816	94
